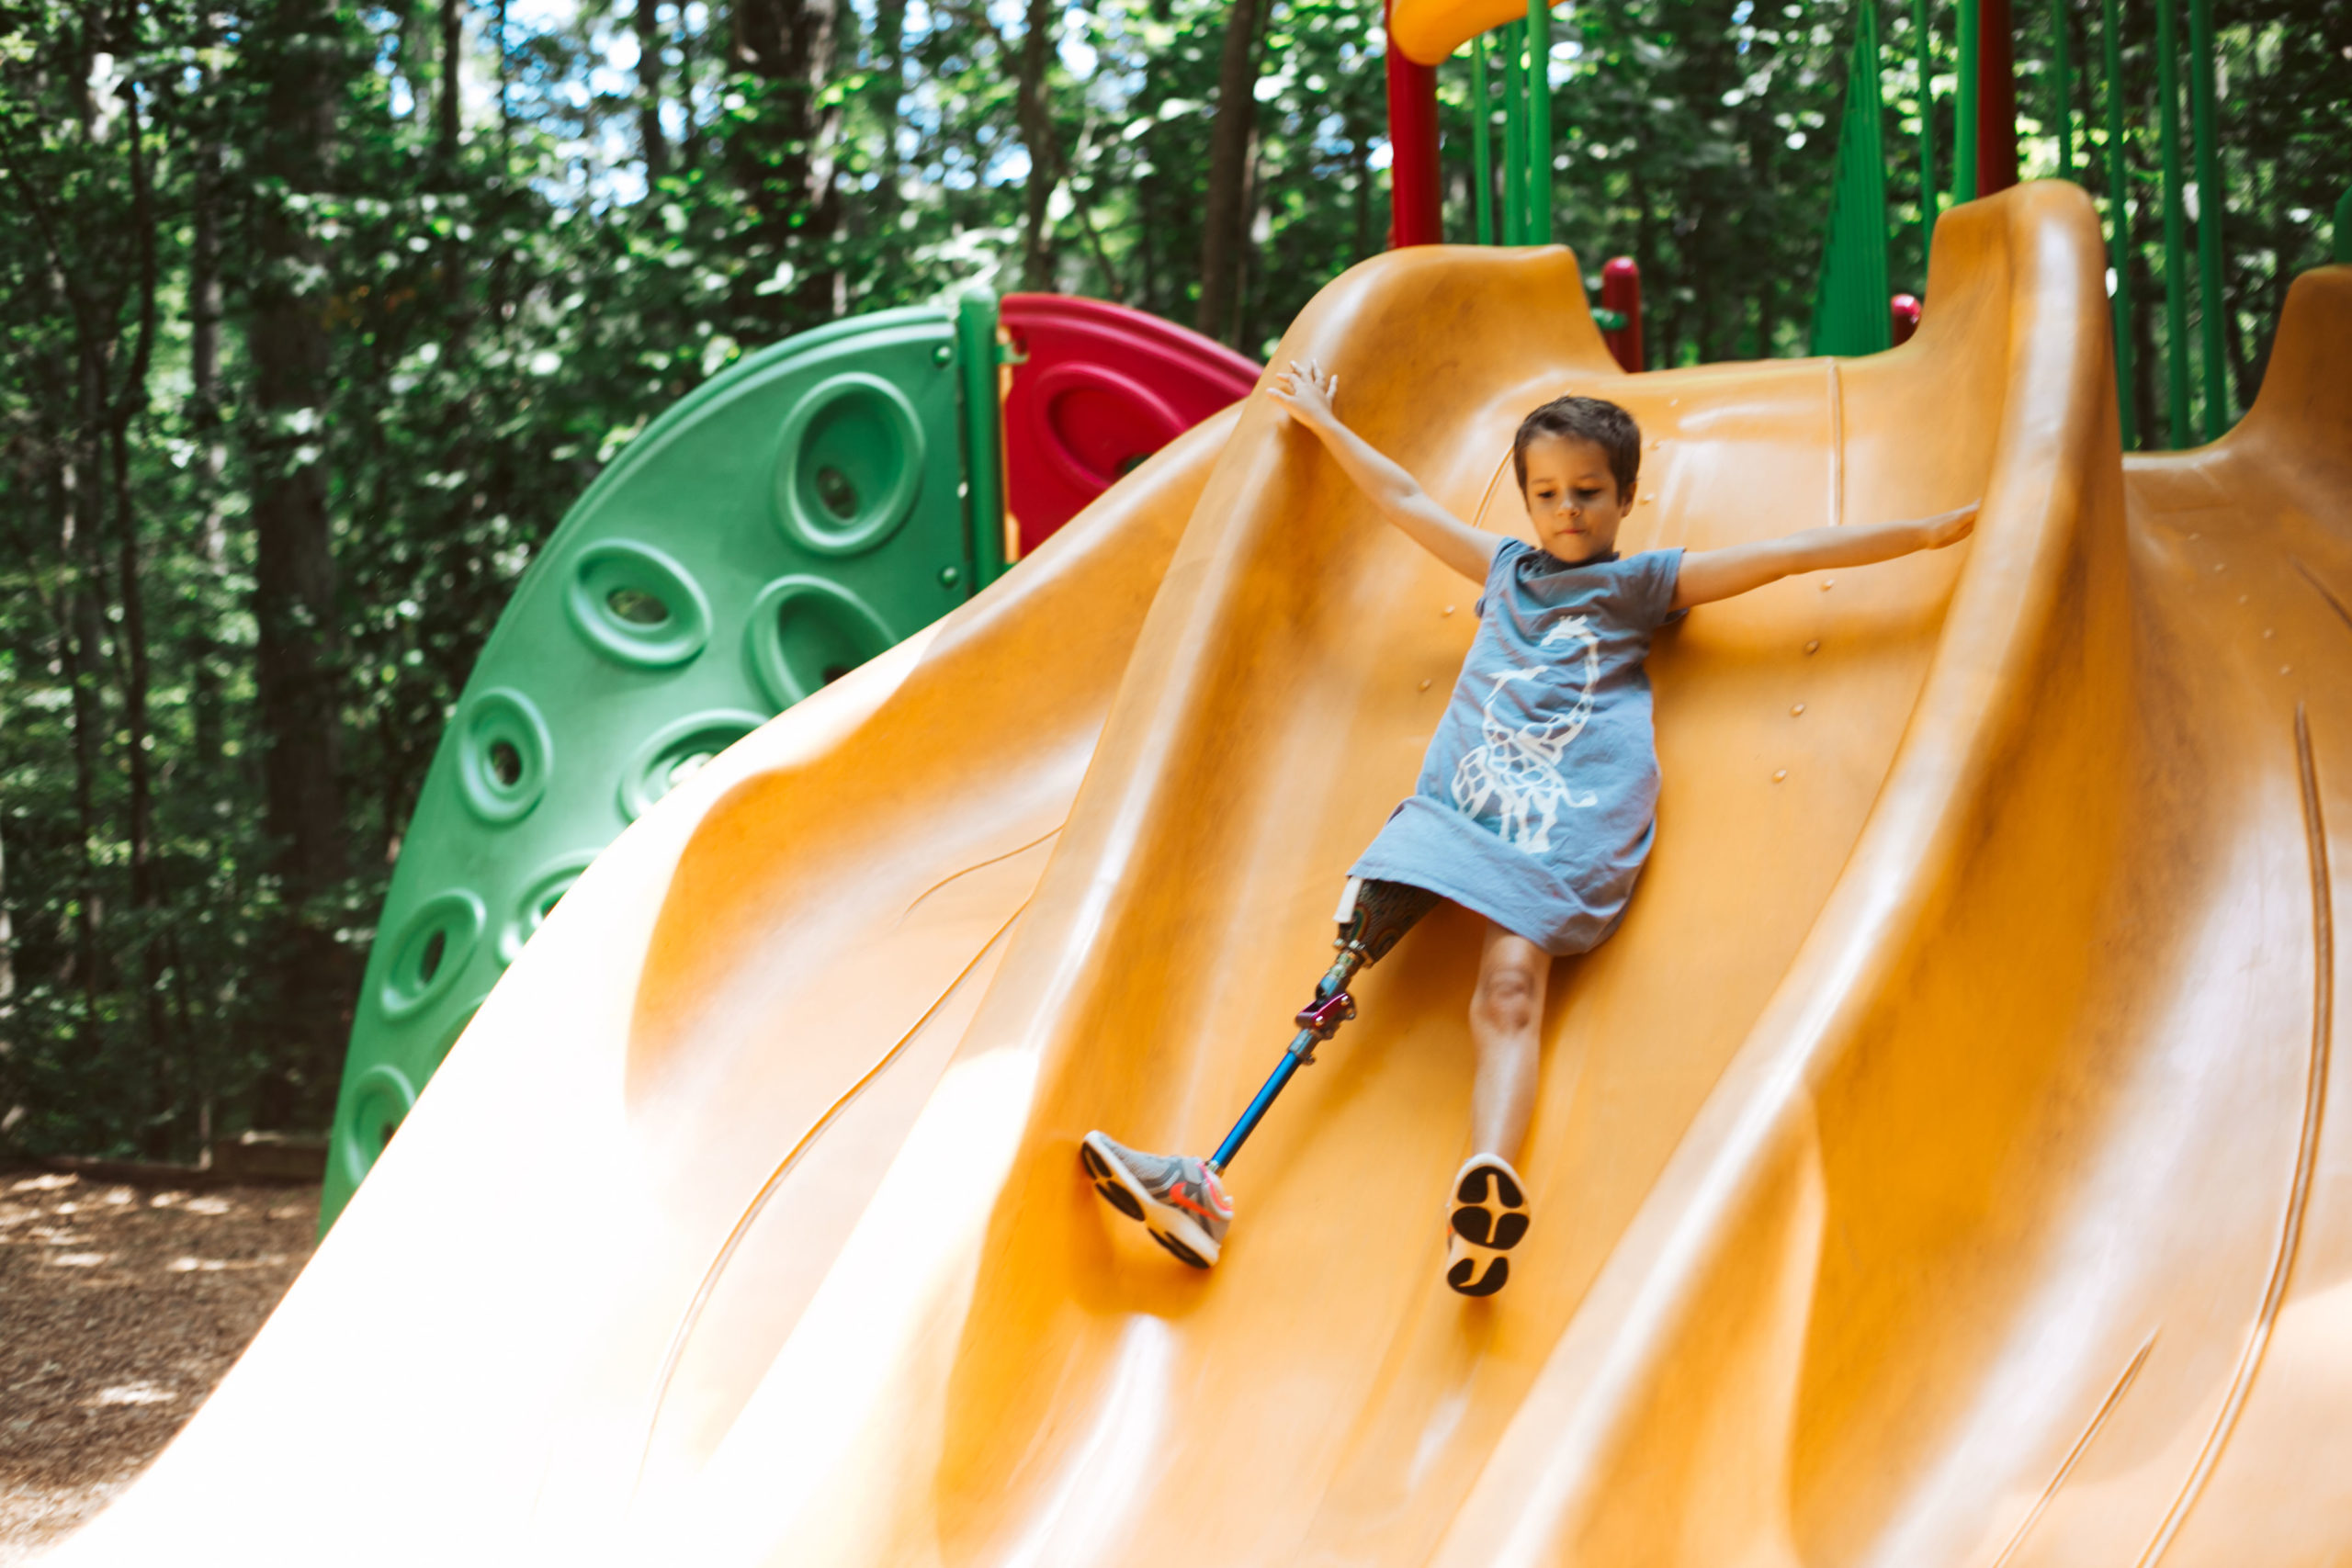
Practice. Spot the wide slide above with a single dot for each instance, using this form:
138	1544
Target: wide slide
1939	1167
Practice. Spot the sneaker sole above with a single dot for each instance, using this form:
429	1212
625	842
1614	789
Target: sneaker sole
1467	1282
1168	1226
1489	1217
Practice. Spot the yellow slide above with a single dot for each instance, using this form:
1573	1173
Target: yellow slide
1939	1167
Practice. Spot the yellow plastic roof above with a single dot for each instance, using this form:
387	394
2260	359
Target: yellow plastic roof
1429	30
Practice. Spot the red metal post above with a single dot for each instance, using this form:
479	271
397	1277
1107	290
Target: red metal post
1620	290
1415	215
1996	99
1903	317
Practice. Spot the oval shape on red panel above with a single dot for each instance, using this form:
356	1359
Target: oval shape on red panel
1097	389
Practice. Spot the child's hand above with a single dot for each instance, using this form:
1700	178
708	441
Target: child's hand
1307	393
1950	527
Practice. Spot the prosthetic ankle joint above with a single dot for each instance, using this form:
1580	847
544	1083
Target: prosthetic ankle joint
1372	916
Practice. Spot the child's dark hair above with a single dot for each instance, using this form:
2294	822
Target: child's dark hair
1595	419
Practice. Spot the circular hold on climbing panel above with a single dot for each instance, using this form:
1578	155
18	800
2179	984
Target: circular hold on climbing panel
540	895
807	633
677	753
381	1101
1100	424
635	605
1096	388
848	465
430	952
504	754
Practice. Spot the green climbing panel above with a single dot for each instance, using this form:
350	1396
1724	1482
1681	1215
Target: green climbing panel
778	527
1849	307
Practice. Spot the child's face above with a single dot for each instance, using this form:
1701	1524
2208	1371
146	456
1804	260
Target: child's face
1572	498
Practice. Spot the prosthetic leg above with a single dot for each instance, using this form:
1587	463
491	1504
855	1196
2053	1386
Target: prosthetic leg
1178	1197
1371	916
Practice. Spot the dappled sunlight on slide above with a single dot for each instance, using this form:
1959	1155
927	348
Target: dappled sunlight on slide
1936	1168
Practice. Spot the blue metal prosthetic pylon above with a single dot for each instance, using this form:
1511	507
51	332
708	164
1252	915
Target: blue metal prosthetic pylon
1372	916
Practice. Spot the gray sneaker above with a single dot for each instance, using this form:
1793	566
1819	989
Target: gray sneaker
1178	1197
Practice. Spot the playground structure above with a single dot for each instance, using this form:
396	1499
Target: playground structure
1938	1167
1088	389
781	526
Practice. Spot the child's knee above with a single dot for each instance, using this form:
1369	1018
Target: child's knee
1507	999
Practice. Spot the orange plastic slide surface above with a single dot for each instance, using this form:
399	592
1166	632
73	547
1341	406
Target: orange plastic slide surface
1939	1167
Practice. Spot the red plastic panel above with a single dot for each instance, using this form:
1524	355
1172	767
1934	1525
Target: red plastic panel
1102	388
1903	317
1620	290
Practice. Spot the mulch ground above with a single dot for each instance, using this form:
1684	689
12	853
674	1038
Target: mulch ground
120	1307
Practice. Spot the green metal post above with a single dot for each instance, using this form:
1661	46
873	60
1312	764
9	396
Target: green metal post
1919	37
1539	122
2119	223
2176	231
1964	135
2211	201
977	358
1482	156
2063	67
1849	307
1514	139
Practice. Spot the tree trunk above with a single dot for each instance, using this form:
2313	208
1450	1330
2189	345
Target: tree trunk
889	91
7	937
130	400
690	142
788	175
83	638
294	574
1226	209
1359	136
146	895
1038	136
1252	210
211	453
650	42
453	59
412	38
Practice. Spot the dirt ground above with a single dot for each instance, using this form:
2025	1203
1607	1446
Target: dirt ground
120	1307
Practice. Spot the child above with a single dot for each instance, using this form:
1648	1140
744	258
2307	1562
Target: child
1536	806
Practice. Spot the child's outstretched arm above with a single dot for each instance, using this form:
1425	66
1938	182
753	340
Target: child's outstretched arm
1709	575
1307	393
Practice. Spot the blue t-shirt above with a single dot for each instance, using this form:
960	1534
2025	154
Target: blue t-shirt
1538	797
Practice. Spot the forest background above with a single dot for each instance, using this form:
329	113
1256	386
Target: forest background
316	317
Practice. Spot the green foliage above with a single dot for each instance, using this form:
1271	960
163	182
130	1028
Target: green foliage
2285	75
1700	143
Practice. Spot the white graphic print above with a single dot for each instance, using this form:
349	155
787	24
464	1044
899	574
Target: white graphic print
1517	770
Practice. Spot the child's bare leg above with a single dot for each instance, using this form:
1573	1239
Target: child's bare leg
1506	1022
1488	1208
